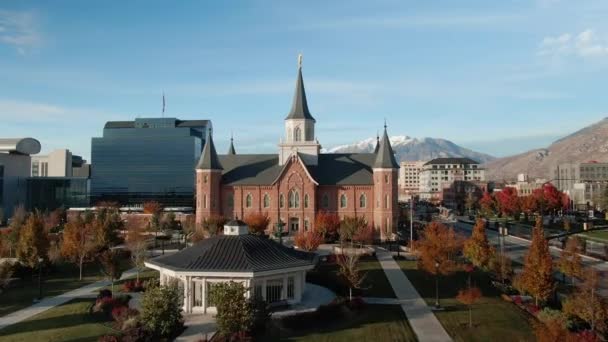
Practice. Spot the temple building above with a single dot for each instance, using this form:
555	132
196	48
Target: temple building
299	181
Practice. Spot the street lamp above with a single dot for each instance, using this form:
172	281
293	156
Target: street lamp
40	260
279	231
437	306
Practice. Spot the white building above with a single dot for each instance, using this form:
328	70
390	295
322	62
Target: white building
440	173
272	271
59	163
409	179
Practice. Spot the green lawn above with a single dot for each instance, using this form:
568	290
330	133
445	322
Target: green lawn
493	318
68	322
145	275
63	279
373	323
599	235
375	283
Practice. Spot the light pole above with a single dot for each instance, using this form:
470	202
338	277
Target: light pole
279	232
411	223
502	233
437	306
40	260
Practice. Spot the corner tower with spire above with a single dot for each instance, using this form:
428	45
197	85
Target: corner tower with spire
385	172
208	182
299	127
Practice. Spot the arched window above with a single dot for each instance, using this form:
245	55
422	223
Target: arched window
297	134
294	199
362	201
325	201
386	179
205	179
386	201
205	201
343	201
230	200
281	201
248	201
306	201
266	201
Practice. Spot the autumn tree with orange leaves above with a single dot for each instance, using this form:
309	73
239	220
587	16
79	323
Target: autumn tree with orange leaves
79	242
553	330
308	241
587	304
328	225
487	205
536	278
477	248
438	248
258	223
469	297
570	262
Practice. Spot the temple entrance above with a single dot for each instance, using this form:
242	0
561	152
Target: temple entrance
294	225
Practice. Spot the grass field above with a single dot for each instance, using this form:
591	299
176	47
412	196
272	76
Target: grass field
493	318
373	323
375	283
68	322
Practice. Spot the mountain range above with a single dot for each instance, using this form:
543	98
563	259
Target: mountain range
587	144
408	149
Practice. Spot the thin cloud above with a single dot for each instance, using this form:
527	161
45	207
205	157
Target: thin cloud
586	44
19	29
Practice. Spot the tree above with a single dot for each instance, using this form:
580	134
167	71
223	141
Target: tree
33	242
350	226
106	225
529	205
477	248
508	202
487	205
570	262
234	312
471	202
328	225
110	265
258	223
161	310
349	270
79	242
567	225
364	235
308	241
17	221
54	219
137	243
469	297
438	248
587	304
553	330
152	207
536	278
6	271
500	265
214	224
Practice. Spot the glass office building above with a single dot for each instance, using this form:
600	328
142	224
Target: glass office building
147	159
50	193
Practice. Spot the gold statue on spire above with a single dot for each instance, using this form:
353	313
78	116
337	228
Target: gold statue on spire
299	60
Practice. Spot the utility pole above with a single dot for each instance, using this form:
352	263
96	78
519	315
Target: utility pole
411	223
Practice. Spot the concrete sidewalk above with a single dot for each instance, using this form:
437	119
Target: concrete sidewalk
421	318
51	302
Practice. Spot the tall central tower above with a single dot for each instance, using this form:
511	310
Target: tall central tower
299	128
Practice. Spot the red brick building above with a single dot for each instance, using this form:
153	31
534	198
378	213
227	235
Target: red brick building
298	182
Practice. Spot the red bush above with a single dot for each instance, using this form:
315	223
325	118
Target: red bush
517	300
120	313
587	336
134	286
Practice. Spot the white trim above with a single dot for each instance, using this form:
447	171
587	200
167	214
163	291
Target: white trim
176	274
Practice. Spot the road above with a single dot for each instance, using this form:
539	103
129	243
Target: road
516	249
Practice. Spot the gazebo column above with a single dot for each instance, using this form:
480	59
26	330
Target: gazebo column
284	290
187	301
302	283
204	292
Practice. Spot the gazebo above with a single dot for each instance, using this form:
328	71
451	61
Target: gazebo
266	268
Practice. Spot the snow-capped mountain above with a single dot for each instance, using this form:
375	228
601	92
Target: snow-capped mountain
408	148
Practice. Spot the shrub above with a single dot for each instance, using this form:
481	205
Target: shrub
357	303
104	305
133	286
108	338
104	293
123	299
161	310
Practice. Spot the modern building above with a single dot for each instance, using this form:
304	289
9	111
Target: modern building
60	163
409	179
15	164
460	192
565	175
440	173
298	182
147	159
50	193
267	269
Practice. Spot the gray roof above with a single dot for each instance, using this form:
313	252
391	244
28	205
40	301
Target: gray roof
332	169
377	144
20	145
209	159
299	107
385	157
235	253
178	123
451	160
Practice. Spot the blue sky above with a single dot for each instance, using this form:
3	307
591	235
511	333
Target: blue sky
499	77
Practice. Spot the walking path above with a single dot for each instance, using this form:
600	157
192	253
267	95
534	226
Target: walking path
421	318
51	302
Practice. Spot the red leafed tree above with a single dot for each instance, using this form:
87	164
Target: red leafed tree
469	297
508	201
308	241
152	207
327	224
365	235
258	223
548	198
529	204
487	204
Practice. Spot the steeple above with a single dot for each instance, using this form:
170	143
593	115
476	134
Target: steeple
385	157
209	160
377	143
231	150
299	107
